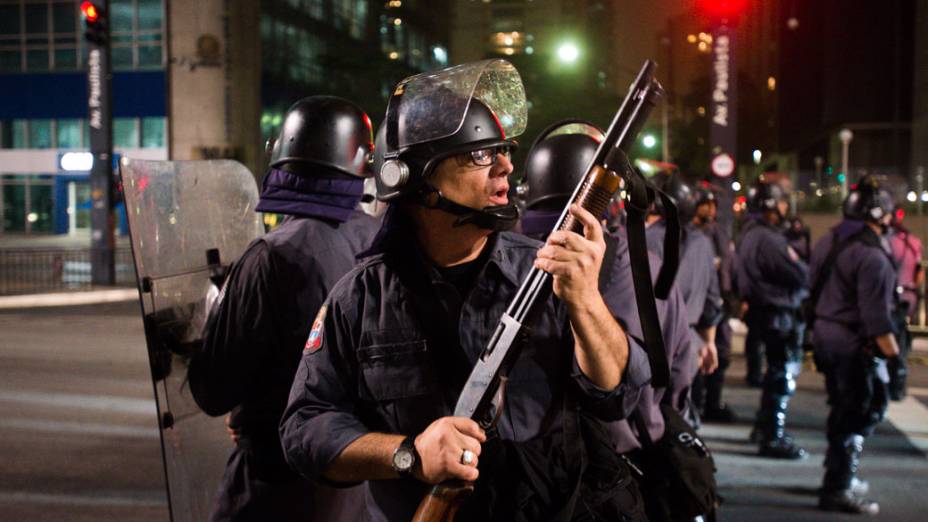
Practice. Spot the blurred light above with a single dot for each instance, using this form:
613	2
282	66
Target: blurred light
911	196
736	185
772	83
397	21
394	3
701	110
440	54
509	51
649	141
568	52
703	47
757	155
76	161
644	166
507	40
529	50
394	55
89	11
925	196
792	23
32	217
841	177
691	38
818	192
705	37
275	121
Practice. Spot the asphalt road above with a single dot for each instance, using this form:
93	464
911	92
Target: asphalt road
79	441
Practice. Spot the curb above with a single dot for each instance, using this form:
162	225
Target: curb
68	298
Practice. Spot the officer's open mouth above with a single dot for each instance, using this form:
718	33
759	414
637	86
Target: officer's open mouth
500	197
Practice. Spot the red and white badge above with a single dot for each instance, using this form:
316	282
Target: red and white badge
314	343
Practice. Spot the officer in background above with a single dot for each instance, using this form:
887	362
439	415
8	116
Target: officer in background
853	281
398	336
553	168
907	254
696	278
771	279
707	390
256	335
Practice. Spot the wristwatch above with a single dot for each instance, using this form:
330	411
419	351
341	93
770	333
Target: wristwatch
405	457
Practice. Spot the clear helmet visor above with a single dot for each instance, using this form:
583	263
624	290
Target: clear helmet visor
431	106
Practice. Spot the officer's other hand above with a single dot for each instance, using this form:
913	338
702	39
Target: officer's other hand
234	433
574	260
441	446
708	358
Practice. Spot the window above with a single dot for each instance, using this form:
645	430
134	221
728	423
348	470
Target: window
125	133
20	134
37	59
68	134
41	200
150	15
64	17
152	132
36	18
9	20
10	61
14	201
40	134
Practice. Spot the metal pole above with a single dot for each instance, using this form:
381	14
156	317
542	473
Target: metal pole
845	136
99	106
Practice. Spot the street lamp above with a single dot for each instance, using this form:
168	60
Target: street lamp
568	52
845	136
649	141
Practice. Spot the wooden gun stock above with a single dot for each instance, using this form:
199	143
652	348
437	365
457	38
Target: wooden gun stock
443	502
594	196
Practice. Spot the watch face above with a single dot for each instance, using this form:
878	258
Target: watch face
403	459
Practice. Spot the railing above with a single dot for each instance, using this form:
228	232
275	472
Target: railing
32	270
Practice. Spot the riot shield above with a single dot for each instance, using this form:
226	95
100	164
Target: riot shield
188	220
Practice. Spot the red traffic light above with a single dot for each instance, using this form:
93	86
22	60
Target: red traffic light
723	8
90	12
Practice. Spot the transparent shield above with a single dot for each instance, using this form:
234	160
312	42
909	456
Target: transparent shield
187	220
432	105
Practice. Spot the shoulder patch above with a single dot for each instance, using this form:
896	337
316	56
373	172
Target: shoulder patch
314	342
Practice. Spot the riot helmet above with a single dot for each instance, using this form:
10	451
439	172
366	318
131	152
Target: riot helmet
682	193
867	201
557	162
765	196
326	131
705	194
476	108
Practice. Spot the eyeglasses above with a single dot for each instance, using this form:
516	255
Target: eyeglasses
486	157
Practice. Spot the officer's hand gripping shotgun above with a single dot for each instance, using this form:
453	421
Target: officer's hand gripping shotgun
609	170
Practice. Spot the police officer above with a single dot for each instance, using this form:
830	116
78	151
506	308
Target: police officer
853	282
696	277
399	334
553	168
257	333
771	279
907	255
707	391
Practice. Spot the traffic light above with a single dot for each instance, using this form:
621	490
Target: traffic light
723	9
95	20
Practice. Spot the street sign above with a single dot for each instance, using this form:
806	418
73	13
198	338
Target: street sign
723	165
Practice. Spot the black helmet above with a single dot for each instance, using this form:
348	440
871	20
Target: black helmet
763	196
869	202
705	194
325	130
558	161
437	115
683	195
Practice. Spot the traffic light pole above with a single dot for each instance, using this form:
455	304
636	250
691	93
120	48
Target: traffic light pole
99	107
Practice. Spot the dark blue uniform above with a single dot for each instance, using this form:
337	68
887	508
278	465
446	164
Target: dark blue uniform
696	278
771	278
372	366
252	350
855	305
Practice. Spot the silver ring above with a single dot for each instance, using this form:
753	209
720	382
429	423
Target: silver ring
467	457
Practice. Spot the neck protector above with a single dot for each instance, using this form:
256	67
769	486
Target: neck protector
288	193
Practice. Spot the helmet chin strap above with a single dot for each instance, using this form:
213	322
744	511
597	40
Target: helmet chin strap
497	218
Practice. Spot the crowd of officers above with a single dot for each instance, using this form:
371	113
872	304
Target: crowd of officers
343	339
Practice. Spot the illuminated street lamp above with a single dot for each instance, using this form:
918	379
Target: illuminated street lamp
568	52
649	141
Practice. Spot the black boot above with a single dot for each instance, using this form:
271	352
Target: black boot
840	490
770	430
714	410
